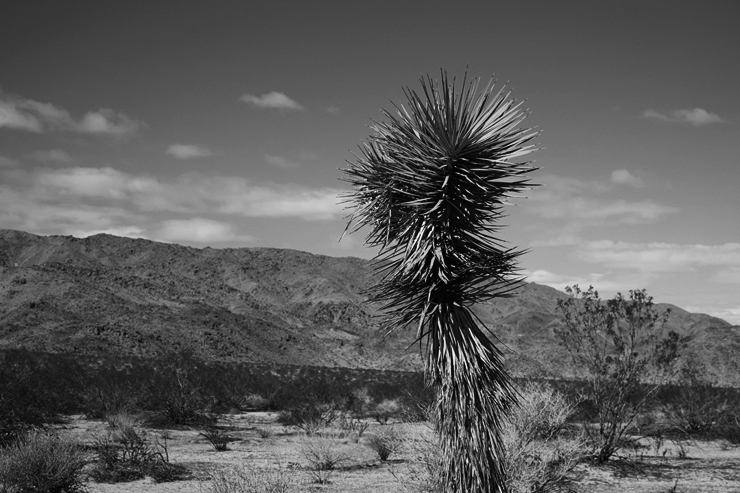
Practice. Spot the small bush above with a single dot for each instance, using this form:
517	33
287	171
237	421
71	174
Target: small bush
309	416
324	454
263	432
386	441
42	462
539	458
251	481
218	438
424	471
125	454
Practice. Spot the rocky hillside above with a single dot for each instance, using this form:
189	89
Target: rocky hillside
110	295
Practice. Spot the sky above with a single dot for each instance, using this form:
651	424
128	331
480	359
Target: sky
226	124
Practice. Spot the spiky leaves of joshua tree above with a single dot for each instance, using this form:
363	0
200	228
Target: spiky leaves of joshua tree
430	185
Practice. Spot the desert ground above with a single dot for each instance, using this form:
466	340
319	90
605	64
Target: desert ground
260	443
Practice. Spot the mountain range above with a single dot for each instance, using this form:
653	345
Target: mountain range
108	295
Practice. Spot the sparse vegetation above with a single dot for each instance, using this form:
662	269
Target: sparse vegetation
625	354
44	462
385	441
242	480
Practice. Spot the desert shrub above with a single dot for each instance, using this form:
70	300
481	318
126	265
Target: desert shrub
218	438
125	453
696	405
385	441
424	472
178	393
540	457
324	454
626	354
42	462
540	453
310	415
251	481
351	427
109	391
22	403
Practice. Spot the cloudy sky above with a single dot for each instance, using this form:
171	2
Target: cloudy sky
225	123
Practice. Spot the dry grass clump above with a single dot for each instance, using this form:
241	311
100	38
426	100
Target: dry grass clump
385	441
42	462
242	480
540	453
324	454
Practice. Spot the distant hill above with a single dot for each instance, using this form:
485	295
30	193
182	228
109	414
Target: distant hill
107	295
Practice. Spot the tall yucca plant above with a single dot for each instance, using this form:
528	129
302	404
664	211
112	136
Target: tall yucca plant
430	185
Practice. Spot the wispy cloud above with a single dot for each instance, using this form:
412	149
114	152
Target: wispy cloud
21	113
51	156
6	162
188	151
79	199
199	230
659	257
282	162
624	177
273	99
582	204
696	117
560	281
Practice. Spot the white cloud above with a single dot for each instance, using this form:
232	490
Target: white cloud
624	177
561	240
190	193
11	116
107	122
559	281
198	230
271	100
188	151
6	162
333	110
26	114
582	204
659	257
695	117
282	162
728	314
51	156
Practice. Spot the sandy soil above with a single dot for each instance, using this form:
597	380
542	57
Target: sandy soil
707	466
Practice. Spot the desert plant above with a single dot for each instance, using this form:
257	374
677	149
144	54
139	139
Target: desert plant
309	415
385	441
625	353
430	186
351	427
218	438
540	453
243	480
696	404
540	457
126	454
42	462
324	454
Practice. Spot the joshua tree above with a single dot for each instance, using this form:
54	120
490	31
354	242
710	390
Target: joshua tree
430	185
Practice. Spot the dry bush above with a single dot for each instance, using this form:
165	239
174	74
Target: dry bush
324	453
540	457
125	453
386	441
218	438
42	462
243	480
